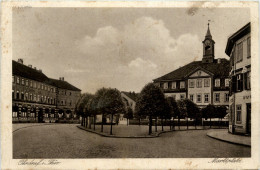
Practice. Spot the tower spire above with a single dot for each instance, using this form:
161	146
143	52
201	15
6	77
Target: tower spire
208	35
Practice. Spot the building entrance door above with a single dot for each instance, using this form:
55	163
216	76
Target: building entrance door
248	118
40	116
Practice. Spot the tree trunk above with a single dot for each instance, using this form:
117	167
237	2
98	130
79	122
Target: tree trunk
173	124
111	123
150	125
102	122
179	122
196	122
156	122
170	124
221	121
140	121
162	124
94	122
210	122
90	122
81	121
187	121
86	122
127	121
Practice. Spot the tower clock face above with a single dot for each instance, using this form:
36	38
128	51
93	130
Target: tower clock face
207	45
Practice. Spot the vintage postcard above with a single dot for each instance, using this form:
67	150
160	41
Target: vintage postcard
129	85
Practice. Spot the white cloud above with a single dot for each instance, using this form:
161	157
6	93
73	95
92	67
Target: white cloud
135	55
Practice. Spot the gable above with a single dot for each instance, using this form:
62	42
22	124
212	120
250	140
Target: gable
199	73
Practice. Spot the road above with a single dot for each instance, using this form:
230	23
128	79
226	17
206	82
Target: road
67	141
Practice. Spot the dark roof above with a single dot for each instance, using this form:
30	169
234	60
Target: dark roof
236	36
131	95
217	69
28	72
62	84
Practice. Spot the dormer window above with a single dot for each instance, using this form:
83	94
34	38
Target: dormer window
174	85
165	85
182	84
217	82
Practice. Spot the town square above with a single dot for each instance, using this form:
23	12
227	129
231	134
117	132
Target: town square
131	83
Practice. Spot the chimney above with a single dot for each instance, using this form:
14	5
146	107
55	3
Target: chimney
30	65
20	60
62	78
219	60
35	68
40	70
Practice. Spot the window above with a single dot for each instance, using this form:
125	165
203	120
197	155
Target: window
35	84
182	96
191	83
238	110
17	80
22	96
39	85
14	114
174	96
217	97
70	93
206	98
35	98
13	94
199	83
240	52
31	84
226	97
42	99
226	82
239	82
31	97
248	80
198	98
217	82
13	79
248	47
26	96
22	81
165	86
191	97
182	84
26	82
206	83
17	95
42	86
38	98
174	85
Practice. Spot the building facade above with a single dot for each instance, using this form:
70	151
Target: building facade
204	82
35	98
238	48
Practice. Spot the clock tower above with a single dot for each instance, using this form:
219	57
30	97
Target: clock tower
208	48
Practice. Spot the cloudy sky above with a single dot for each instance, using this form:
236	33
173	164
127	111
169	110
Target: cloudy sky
123	48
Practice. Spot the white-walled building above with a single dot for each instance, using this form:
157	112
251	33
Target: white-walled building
239	49
204	82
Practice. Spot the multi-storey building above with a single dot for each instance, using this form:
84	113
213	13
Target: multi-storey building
239	49
35	96
204	82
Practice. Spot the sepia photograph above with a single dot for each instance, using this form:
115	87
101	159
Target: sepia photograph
131	82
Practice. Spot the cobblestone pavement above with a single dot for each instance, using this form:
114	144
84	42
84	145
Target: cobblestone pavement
68	141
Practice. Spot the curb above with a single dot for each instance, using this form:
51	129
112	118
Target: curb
224	140
43	124
114	136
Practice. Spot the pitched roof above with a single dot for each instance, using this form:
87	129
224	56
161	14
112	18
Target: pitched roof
236	36
217	69
28	72
62	84
131	95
